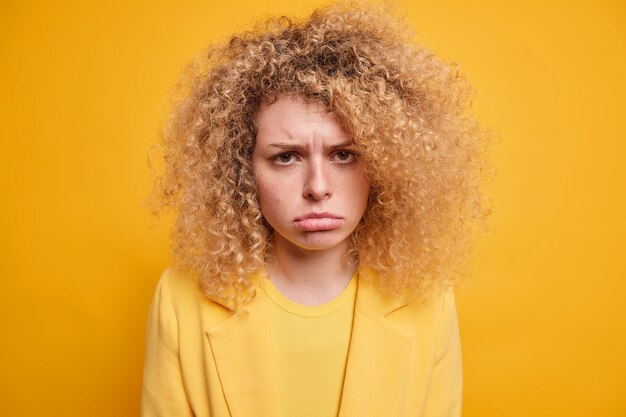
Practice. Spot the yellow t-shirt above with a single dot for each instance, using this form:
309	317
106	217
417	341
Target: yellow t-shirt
311	350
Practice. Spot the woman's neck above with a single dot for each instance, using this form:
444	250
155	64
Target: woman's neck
310	277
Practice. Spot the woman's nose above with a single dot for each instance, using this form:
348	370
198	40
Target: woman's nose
317	185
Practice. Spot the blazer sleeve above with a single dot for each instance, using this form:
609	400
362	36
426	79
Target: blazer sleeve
446	387
163	391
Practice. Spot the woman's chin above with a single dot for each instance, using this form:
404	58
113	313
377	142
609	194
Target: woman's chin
319	241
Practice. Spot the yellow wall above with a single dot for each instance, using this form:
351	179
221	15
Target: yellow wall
84	87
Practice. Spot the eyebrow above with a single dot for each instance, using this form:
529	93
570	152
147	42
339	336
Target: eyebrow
291	146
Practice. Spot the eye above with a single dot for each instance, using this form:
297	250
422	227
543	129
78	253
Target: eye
344	156
285	158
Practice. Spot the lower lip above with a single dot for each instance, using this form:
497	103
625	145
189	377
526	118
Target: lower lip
318	224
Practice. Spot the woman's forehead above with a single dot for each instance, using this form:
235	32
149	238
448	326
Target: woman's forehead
292	119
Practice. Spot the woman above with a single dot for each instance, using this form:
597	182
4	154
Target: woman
326	180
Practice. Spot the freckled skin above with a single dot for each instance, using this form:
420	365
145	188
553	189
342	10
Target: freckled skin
305	164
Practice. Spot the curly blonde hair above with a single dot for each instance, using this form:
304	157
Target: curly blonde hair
405	109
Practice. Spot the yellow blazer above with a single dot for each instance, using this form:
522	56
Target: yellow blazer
204	360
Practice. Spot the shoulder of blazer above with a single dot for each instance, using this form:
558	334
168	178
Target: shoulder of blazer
428	318
188	300
419	311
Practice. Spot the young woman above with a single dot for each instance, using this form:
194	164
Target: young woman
326	179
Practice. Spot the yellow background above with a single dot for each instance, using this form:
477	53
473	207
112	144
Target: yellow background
84	87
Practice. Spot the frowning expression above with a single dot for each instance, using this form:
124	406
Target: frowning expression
312	184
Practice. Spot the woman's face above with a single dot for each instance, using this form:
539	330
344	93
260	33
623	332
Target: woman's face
312	186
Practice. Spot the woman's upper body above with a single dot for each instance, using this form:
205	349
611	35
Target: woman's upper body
300	154
203	359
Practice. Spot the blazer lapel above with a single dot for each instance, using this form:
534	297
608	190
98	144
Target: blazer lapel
377	356
242	351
